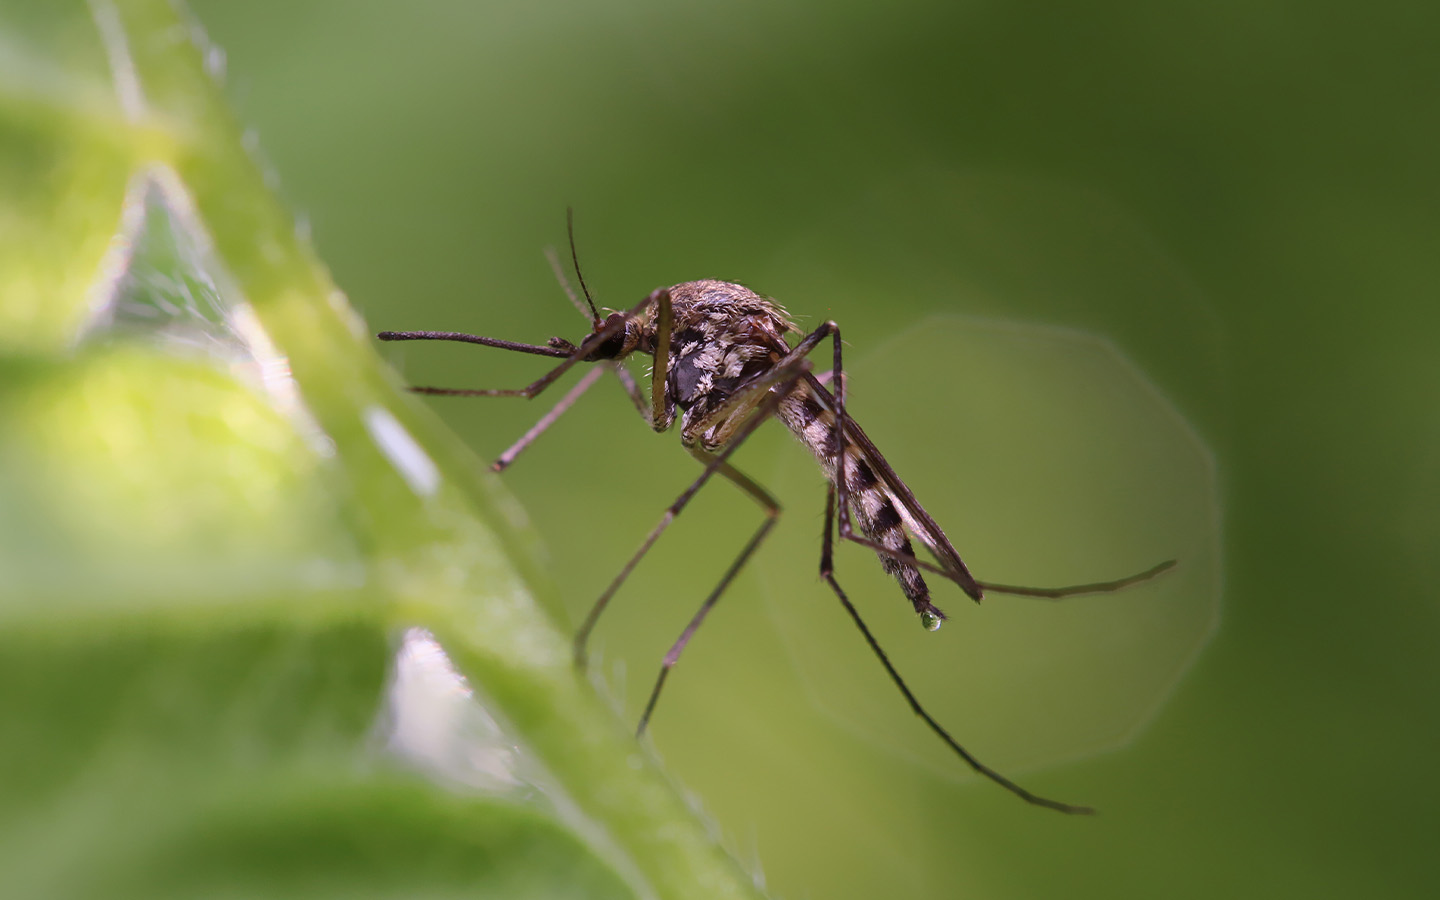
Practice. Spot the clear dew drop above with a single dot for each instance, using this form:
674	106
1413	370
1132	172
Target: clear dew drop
931	620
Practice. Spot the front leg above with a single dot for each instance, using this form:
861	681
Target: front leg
570	354
662	413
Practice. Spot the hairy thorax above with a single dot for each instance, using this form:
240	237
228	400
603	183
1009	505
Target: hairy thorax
723	335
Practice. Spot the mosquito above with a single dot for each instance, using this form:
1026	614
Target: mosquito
723	363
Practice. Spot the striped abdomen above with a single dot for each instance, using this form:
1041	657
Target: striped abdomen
812	420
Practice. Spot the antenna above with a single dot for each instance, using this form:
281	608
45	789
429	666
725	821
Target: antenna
575	258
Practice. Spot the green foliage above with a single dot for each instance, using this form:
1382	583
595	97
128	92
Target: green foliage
219	522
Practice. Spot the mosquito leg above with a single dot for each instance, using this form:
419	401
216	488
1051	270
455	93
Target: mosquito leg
583	385
530	390
566	402
571	355
461	337
1046	593
906	558
632	389
548	419
765	410
1075	590
661	413
827	572
837	374
557	348
772	514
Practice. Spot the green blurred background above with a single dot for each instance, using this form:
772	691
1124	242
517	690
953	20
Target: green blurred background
1242	197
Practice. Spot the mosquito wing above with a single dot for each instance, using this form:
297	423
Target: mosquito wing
916	519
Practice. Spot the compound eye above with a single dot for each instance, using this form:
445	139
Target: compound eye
614	345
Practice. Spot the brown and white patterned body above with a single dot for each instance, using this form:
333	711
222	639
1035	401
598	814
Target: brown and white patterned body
725	335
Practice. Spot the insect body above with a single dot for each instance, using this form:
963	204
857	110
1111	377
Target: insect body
723	364
726	336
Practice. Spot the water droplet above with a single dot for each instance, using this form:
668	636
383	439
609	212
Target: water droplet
931	620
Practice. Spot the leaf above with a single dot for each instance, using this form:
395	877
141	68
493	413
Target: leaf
266	628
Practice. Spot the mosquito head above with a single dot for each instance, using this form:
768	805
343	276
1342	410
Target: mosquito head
621	337
575	258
